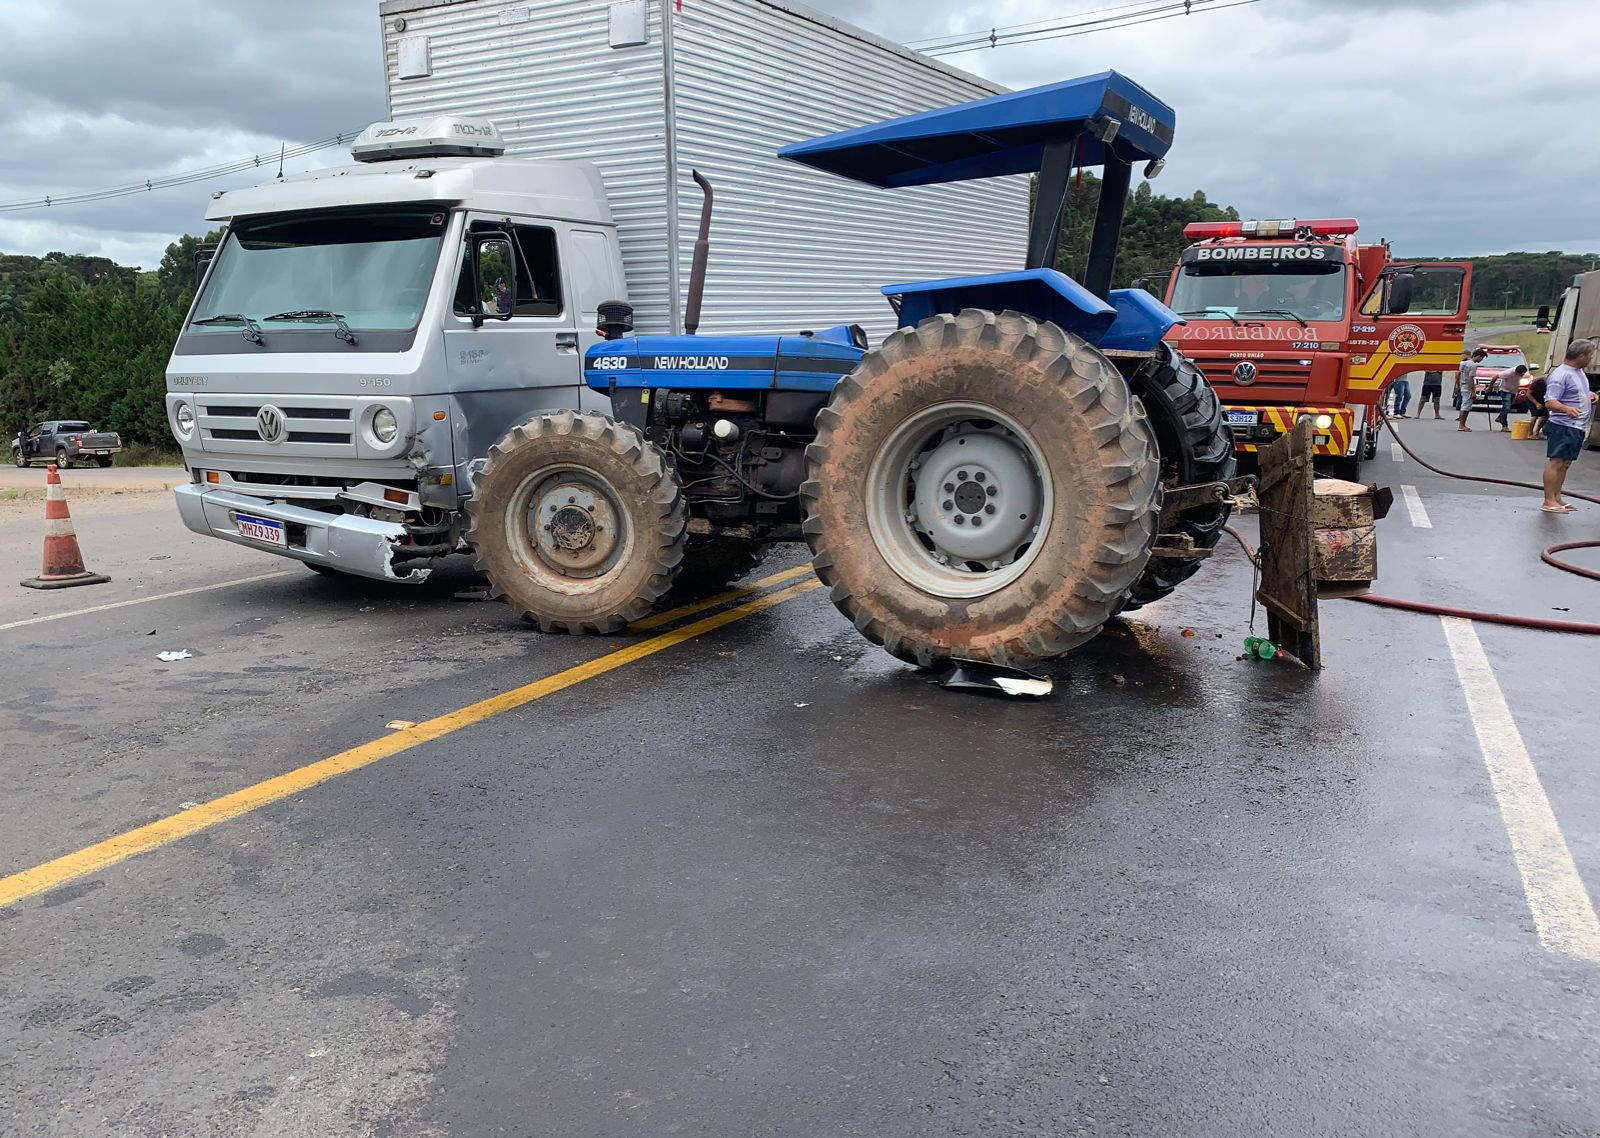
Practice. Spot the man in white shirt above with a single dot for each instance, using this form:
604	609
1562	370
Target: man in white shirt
1570	404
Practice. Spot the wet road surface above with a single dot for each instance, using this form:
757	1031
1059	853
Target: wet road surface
768	881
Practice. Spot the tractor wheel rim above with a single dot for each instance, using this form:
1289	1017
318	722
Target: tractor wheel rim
568	523
960	500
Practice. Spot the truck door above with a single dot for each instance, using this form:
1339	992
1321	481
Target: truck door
1417	314
503	370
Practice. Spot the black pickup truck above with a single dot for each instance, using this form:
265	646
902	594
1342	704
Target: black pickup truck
64	442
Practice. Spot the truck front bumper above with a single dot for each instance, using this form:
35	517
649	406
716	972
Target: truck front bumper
1255	427
346	542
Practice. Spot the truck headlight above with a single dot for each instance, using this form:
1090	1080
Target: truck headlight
183	416
1322	422
384	425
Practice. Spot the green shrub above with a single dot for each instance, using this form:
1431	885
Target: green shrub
146	454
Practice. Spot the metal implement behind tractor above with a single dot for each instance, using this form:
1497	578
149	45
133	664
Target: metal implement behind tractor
988	483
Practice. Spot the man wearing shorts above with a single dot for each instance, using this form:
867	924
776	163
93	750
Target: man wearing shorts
1570	404
1536	410
1432	385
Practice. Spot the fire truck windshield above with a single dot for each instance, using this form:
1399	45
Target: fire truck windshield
1225	291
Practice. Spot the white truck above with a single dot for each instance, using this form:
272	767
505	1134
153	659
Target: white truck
1578	318
361	338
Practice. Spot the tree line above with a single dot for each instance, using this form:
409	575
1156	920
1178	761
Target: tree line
82	337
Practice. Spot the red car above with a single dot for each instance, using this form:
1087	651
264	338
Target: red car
1501	360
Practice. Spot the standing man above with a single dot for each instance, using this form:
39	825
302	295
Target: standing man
1570	404
1432	385
1467	385
1509	383
1402	395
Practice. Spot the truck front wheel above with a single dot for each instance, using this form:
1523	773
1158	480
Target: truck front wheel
578	522
983	487
17	457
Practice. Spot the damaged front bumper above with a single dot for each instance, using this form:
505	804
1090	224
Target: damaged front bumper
349	543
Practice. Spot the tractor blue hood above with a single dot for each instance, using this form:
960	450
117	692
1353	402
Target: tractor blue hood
1005	134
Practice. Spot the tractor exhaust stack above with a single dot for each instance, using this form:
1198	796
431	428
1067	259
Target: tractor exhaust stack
702	252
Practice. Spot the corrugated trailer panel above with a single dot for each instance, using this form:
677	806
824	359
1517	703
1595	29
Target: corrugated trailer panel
547	76
791	244
792	248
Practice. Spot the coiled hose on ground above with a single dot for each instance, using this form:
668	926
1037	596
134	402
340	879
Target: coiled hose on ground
1548	556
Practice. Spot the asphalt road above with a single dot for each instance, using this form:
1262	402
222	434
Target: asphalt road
767	881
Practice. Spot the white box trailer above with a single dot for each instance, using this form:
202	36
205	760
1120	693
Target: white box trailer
648	93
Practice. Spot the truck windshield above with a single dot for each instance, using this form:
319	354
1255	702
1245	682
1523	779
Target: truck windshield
372	267
1220	292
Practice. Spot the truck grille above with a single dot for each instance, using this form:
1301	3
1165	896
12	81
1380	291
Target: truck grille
1284	373
315	426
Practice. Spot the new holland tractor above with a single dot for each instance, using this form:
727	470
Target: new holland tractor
1022	460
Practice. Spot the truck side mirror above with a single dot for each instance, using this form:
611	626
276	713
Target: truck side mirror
1397	294
494	276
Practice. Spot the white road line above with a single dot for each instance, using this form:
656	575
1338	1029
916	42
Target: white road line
1561	908
1419	516
1398	454
142	600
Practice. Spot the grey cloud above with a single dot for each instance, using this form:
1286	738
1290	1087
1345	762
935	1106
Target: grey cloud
1438	122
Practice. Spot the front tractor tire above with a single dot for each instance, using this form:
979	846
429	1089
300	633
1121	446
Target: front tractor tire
578	522
983	487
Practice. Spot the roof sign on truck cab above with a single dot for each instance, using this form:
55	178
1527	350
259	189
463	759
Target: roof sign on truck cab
1199	253
446	136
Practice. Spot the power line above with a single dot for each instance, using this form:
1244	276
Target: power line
1147	14
182	178
967	37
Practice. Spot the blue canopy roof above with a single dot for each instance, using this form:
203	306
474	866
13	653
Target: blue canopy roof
1005	134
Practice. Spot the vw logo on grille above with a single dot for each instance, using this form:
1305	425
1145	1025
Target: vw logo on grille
269	424
1245	372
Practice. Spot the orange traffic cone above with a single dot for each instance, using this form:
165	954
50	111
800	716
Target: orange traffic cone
63	561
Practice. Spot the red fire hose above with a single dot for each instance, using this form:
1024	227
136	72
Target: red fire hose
1547	556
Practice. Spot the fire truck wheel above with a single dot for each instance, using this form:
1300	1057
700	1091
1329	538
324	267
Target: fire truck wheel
578	522
1196	446
982	487
711	563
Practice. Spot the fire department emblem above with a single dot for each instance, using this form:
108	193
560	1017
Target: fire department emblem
1407	340
1244	373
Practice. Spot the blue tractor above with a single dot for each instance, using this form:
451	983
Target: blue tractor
1023	459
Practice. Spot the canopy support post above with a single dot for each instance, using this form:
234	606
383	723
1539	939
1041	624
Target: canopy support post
1049	203
1114	181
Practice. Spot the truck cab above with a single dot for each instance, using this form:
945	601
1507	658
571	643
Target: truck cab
364	333
1295	319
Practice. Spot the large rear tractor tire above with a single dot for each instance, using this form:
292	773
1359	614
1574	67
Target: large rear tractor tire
1196	446
578	522
712	563
983	487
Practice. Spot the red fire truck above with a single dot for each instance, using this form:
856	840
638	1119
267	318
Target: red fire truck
1295	319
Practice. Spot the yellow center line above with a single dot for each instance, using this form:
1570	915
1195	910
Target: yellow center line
40	878
720	599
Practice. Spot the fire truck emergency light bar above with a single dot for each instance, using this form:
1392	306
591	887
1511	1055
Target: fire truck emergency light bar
1286	227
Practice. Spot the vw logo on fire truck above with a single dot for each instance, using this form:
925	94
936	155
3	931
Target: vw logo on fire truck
1244	373
1407	340
269	424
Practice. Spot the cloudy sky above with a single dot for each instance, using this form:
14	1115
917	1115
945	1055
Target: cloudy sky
1450	127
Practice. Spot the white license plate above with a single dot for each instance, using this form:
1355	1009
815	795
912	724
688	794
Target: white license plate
1248	417
264	530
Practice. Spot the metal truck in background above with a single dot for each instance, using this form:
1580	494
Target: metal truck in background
1578	318
1295	319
